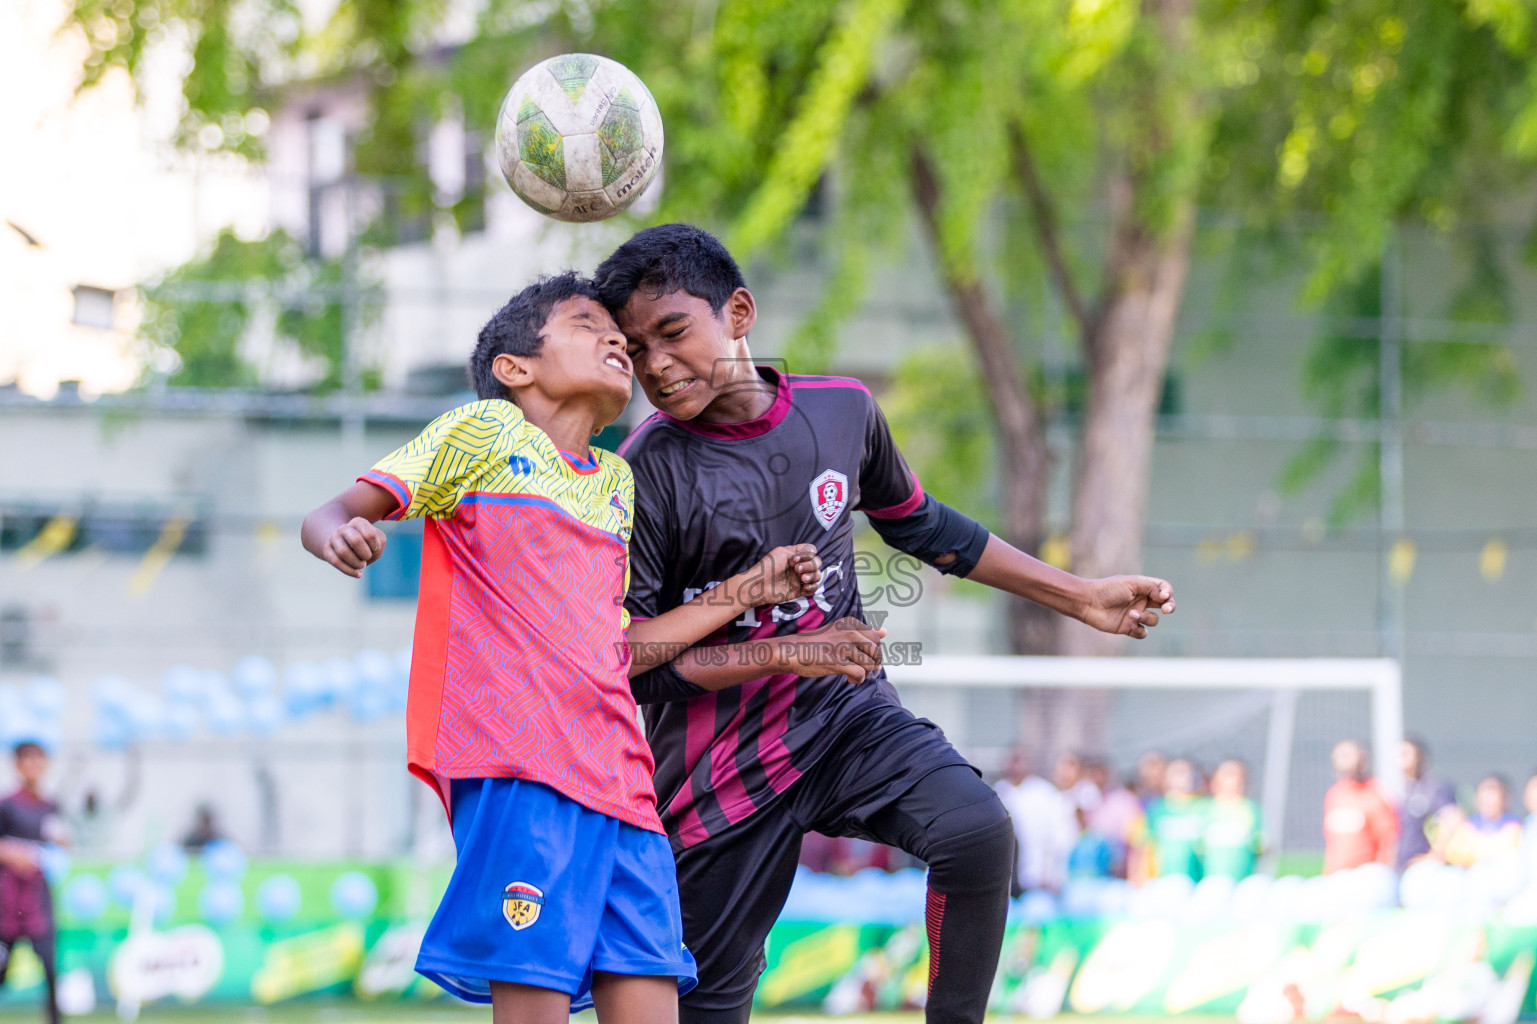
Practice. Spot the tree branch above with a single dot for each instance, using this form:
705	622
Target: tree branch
1044	213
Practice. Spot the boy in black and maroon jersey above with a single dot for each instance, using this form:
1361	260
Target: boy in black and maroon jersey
27	821
764	739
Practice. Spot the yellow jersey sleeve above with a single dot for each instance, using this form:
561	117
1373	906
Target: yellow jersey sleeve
429	475
627	495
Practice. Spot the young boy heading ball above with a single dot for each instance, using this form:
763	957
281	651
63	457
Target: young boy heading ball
739	459
520	714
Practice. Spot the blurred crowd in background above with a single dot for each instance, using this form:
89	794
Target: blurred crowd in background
1175	817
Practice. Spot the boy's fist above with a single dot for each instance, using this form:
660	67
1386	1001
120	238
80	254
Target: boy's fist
848	647
354	544
1128	604
784	574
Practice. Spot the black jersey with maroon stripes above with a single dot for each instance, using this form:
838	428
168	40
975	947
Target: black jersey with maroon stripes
711	500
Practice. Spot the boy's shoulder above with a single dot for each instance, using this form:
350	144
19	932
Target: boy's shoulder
823	382
614	463
498	411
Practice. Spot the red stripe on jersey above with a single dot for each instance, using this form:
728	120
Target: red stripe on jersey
751	428
828	382
903	510
392	484
778	763
429	659
700	733
725	775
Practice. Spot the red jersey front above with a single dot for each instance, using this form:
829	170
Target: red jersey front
518	667
1360	825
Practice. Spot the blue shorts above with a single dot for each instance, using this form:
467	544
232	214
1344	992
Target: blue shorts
546	892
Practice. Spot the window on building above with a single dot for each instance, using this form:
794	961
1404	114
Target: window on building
16	638
95	307
397	574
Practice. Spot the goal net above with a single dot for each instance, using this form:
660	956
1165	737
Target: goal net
1281	716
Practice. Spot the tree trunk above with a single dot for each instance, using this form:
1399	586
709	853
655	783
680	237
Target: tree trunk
1128	357
1021	439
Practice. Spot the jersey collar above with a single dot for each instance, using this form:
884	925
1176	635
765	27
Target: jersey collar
583	466
749	428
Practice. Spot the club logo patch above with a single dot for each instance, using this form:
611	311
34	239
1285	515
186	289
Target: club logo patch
521	904
829	497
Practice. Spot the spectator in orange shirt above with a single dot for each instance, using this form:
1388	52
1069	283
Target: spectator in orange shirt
1360	822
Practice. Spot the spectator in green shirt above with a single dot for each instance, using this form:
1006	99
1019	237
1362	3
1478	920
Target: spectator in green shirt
1232	838
1176	822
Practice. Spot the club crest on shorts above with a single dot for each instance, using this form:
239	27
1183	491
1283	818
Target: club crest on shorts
521	904
829	497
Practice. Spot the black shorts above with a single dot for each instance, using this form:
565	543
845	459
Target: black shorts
733	884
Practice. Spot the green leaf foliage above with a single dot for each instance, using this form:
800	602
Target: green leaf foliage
205	310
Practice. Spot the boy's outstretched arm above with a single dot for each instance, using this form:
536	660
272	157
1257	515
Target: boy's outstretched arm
342	531
1116	604
783	574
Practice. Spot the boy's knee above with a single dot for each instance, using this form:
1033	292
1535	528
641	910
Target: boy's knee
972	847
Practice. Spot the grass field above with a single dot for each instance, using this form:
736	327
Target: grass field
353	1012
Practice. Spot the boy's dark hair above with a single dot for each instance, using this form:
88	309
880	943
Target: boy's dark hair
517	328
26	747
669	258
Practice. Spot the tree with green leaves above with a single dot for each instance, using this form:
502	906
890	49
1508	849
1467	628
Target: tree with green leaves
1053	153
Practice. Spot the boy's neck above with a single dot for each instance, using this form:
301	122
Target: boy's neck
743	400
569	426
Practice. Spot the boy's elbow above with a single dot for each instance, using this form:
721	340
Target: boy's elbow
310	529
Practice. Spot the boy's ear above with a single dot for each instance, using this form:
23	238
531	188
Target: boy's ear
513	371
741	313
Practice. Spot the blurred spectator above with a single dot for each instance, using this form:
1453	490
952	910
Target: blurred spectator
1044	824
1529	829
1092	855
1117	817
28	820
1360	824
1175	823
1233	837
1150	773
1490	832
1425	794
205	829
93	824
1069	776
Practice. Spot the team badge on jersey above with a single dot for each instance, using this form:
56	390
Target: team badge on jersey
521	903
829	497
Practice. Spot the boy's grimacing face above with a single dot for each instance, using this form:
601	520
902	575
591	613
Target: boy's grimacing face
582	354
685	354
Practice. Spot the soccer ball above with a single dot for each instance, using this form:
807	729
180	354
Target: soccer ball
579	137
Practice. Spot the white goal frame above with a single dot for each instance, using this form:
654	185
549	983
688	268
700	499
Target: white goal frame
1285	678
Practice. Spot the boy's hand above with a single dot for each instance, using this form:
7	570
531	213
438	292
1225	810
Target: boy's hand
1127	604
848	647
784	574
355	544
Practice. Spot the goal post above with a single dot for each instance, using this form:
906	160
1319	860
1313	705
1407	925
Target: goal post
1381	679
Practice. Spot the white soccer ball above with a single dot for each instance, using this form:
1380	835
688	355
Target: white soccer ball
579	137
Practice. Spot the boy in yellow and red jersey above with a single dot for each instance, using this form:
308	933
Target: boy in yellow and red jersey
520	714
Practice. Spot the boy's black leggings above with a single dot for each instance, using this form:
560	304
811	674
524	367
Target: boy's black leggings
733	885
43	945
